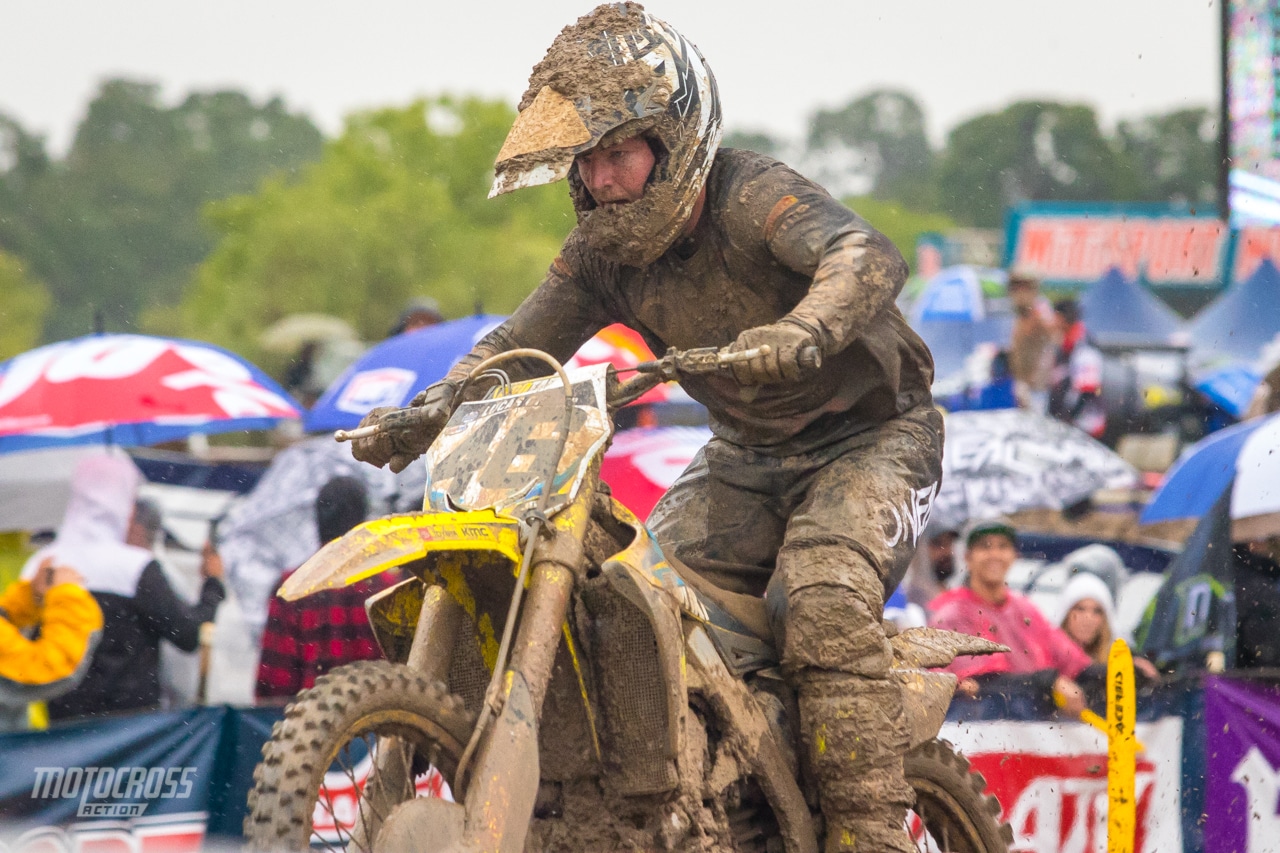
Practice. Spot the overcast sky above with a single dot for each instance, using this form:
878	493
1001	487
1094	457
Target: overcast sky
776	62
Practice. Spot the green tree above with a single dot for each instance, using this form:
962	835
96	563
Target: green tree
396	207
754	140
1028	152
22	310
886	127
116	226
1174	156
900	224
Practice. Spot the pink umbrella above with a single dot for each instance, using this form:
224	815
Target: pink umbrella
643	463
131	390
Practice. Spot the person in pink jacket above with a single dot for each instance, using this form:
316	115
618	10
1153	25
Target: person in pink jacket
986	607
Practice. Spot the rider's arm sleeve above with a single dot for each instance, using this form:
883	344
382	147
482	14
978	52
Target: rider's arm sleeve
857	272
168	616
561	314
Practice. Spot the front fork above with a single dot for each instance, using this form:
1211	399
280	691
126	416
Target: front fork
501	783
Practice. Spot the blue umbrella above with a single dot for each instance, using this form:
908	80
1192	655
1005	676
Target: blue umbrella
959	309
1230	387
390	373
1201	475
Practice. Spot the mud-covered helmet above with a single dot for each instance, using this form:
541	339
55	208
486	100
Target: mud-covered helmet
616	73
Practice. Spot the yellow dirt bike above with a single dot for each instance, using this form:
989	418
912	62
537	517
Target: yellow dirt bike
553	682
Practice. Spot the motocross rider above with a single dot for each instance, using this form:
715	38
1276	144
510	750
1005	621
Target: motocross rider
819	478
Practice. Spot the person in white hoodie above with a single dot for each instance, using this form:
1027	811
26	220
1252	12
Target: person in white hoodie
139	606
1086	613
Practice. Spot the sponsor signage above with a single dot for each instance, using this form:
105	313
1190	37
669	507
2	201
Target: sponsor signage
1073	247
1242	791
1051	780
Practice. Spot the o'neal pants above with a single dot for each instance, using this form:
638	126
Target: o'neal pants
828	533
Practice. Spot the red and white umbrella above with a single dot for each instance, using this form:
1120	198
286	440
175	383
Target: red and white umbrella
131	390
643	463
622	347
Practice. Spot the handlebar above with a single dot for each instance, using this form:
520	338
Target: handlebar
698	361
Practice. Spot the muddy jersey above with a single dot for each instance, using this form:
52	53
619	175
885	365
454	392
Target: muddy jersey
769	243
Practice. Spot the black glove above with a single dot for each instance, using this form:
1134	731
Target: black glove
405	434
787	340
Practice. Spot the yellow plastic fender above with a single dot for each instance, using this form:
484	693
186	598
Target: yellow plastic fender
1122	751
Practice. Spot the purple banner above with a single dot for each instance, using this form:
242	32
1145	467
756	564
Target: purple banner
1242	796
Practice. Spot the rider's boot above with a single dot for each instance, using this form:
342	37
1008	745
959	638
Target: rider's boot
857	736
836	652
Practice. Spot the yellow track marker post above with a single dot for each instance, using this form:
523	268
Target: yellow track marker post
1122	751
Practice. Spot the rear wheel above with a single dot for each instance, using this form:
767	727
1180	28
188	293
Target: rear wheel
367	737
953	812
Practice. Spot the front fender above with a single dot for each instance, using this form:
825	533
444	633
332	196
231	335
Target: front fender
375	546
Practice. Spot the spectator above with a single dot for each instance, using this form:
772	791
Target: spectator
1075	395
48	628
933	566
1256	566
139	607
987	608
305	639
1087	614
422	311
1031	345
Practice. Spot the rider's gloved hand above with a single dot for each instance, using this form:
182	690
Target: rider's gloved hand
787	341
405	434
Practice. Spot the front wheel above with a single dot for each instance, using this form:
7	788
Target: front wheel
953	812
365	738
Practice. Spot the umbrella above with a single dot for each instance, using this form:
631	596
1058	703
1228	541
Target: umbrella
132	390
390	373
960	294
960	309
1244	458
1002	461
288	334
642	463
273	529
1230	387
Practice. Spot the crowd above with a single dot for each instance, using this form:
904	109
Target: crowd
81	630
1053	367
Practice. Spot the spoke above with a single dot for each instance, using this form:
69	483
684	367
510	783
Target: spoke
337	826
359	791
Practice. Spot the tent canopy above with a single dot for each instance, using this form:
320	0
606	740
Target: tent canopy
1242	321
1120	312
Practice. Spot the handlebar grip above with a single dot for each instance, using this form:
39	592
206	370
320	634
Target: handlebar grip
810	358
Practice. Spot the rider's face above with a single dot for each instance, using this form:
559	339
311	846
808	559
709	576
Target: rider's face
617	174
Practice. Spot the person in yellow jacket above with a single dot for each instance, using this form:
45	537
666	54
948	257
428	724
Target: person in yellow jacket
69	623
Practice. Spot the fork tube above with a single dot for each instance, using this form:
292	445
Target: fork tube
556	564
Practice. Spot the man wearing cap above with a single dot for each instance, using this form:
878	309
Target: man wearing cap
987	608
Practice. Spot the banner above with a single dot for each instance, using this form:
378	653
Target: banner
1072	247
117	785
1255	244
1242	801
1051	779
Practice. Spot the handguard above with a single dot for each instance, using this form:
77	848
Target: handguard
926	694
